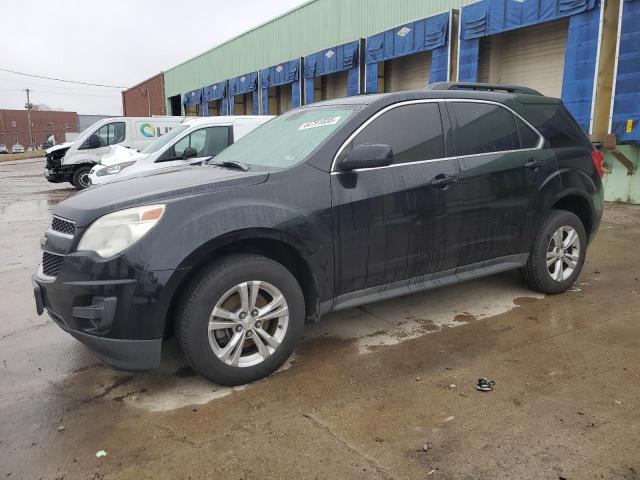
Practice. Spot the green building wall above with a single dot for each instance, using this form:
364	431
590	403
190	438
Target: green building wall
320	24
619	186
311	27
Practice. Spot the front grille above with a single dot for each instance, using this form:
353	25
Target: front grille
51	264
53	162
63	226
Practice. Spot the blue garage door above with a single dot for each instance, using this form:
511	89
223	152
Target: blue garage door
214	96
281	75
191	101
341	58
243	86
492	17
426	35
625	114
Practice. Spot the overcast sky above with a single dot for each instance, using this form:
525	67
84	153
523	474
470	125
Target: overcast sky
114	42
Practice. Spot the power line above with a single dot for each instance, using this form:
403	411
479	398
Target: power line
60	79
48	85
76	93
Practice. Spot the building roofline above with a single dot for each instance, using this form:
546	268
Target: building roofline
144	81
288	12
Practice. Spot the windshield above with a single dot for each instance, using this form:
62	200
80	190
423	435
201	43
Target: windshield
290	138
85	133
161	141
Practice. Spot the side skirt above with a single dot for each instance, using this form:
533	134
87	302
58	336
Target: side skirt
428	282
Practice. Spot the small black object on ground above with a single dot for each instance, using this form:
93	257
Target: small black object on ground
485	385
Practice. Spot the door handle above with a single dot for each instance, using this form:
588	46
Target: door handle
534	164
442	181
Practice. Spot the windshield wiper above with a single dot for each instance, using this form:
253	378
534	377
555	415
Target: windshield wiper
230	164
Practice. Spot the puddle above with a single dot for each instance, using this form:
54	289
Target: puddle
26	211
464	317
394	321
391	322
172	387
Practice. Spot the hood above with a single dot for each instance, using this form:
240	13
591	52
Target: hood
60	146
118	154
162	186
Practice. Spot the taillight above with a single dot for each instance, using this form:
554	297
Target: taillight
598	161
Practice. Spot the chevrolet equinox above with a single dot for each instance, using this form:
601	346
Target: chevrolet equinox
326	207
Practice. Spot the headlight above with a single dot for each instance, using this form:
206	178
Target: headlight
113	169
114	232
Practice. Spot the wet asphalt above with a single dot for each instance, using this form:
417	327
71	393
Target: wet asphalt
384	391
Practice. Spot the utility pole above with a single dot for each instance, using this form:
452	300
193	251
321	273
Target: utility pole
148	102
28	105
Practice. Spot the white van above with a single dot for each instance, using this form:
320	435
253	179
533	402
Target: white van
72	161
192	142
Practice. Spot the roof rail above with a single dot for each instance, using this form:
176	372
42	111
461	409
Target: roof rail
488	87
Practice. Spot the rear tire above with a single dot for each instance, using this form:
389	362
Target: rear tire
240	319
80	178
557	255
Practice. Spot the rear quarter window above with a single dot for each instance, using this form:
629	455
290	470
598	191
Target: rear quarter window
559	127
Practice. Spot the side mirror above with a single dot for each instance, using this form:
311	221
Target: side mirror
189	152
366	156
93	141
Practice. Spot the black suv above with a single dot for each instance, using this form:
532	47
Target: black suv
326	207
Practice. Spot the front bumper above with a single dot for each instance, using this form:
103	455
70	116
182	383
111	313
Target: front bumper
55	171
114	309
55	175
117	353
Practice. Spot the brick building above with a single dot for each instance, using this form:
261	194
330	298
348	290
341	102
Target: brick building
14	126
145	99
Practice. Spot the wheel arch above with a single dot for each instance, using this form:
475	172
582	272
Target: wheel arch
76	166
579	204
268	243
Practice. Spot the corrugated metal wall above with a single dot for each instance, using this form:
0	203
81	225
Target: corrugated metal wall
307	29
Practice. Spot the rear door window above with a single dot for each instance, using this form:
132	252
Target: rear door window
483	128
528	137
414	133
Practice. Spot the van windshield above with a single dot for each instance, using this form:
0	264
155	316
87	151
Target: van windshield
161	141
85	133
290	138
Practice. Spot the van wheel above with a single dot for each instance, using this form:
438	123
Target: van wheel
80	178
240	319
558	253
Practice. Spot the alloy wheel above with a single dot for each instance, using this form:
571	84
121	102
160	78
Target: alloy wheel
563	253
248	323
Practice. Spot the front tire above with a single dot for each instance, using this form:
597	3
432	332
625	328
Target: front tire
240	319
80	178
558	253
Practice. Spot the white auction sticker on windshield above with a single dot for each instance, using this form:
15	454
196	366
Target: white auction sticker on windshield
323	122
